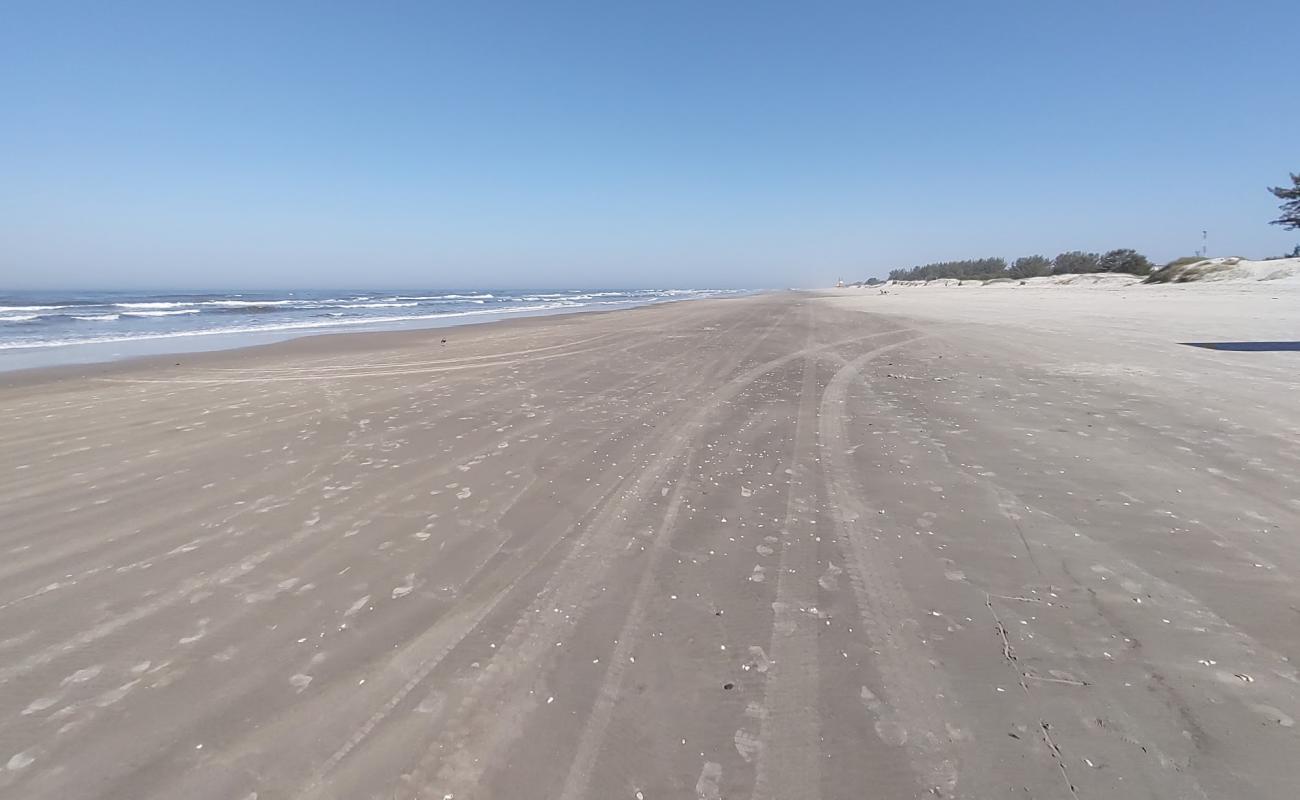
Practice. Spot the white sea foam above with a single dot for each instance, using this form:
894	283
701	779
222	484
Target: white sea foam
483	296
287	326
97	323
244	303
376	305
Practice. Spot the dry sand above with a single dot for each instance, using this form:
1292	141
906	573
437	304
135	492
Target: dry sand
1007	544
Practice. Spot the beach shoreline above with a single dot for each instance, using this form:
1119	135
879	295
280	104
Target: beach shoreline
236	345
79	327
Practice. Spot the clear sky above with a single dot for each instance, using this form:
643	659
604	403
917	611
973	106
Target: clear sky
303	144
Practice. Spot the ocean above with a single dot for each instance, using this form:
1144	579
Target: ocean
39	328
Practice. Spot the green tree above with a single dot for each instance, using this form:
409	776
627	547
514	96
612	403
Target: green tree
970	269
1075	262
1130	261
1030	267
1290	205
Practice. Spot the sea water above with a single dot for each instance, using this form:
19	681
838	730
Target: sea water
41	328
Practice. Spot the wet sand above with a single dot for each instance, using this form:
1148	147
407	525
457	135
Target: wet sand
784	546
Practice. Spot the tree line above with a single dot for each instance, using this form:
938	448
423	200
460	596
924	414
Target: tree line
1078	262
1074	262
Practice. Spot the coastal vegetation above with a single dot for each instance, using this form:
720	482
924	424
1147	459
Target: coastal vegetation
1290	205
1189	269
1075	262
1078	262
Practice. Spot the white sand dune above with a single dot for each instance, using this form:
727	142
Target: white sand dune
1211	270
1239	270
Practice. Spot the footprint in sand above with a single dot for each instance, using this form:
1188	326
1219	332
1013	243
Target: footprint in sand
758	660
1274	715
707	787
747	744
83	675
357	606
18	761
831	580
40	704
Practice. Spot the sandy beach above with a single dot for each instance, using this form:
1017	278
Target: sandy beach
945	542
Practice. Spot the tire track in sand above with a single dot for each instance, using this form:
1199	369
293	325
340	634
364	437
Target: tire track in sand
452	769
578	778
789	760
913	714
593	734
226	574
436	651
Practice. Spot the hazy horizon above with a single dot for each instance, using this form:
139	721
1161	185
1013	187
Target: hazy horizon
582	145
381	288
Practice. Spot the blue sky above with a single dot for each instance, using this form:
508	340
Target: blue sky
564	144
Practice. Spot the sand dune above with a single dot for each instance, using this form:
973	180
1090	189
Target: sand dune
905	545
